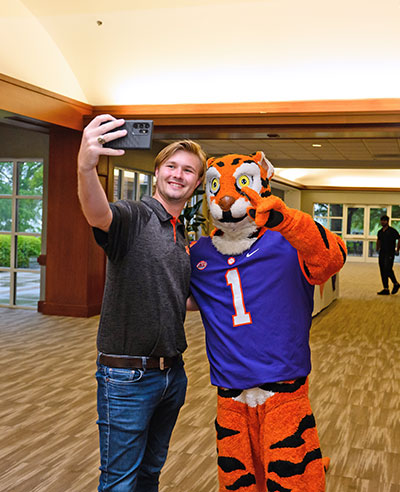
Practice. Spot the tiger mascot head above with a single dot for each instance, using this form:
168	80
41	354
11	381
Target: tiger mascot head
229	207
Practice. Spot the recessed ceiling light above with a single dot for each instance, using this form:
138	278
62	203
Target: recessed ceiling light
316	145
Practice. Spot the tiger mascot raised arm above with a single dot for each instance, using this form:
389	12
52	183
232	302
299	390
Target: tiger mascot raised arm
253	282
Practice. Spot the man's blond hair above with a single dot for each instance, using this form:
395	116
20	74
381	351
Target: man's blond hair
186	145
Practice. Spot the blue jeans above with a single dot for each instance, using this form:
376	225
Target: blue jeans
137	412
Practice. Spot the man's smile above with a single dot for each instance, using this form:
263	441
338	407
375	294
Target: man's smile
174	184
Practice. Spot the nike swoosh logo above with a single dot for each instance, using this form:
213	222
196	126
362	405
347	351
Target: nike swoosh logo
252	253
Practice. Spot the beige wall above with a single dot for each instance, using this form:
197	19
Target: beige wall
18	143
293	199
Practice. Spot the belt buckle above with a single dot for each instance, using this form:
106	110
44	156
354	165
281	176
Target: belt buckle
162	365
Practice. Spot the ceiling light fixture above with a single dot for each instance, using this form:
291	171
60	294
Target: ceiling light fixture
317	145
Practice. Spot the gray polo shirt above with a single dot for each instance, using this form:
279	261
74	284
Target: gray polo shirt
147	282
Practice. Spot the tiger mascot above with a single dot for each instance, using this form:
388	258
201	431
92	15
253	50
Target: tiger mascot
253	281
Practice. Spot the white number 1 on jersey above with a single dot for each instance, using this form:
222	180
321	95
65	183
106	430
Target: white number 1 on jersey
241	317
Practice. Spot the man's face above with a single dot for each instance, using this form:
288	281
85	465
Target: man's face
178	176
384	223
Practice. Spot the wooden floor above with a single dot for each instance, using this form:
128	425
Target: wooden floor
47	410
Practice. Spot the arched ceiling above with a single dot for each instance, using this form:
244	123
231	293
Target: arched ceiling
196	51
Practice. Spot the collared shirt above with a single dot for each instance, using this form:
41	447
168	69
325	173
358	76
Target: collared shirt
147	283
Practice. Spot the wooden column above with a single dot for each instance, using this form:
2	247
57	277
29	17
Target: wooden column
75	265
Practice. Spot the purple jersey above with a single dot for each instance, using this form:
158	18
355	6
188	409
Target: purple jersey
256	309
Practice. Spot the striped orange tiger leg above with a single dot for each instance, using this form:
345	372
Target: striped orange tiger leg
293	461
239	467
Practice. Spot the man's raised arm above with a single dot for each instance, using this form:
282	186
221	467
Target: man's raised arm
92	197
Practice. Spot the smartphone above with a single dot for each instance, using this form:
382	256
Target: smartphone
139	136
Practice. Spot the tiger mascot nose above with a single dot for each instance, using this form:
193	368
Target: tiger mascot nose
226	203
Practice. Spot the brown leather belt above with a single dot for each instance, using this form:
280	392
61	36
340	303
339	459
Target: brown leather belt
126	362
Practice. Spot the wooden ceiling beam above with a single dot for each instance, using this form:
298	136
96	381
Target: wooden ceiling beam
34	102
352	112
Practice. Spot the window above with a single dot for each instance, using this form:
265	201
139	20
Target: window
395	222
355	248
131	185
372	253
375	215
355	221
21	204
330	215
358	225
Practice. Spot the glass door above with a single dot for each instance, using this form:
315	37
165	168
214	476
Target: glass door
355	217
21	206
395	223
362	225
374	224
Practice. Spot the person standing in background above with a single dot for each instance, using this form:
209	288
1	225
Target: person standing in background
386	246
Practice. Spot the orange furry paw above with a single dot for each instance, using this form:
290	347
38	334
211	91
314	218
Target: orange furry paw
261	208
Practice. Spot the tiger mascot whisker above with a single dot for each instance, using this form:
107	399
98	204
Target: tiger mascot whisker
253	280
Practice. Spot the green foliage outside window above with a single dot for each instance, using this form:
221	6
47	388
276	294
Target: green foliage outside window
5	246
396	225
29	183
395	211
355	220
30	178
29	248
355	248
5	214
6	178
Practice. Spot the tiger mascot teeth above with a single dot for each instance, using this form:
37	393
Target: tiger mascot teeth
253	282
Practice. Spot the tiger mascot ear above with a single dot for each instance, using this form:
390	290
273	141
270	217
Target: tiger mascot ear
260	158
210	161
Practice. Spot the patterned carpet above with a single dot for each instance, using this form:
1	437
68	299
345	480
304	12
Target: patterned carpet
47	409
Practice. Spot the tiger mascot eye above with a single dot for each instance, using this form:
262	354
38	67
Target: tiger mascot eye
253	281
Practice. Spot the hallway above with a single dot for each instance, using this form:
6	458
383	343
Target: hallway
48	414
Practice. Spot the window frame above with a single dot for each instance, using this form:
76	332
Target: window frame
366	237
16	197
121	178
